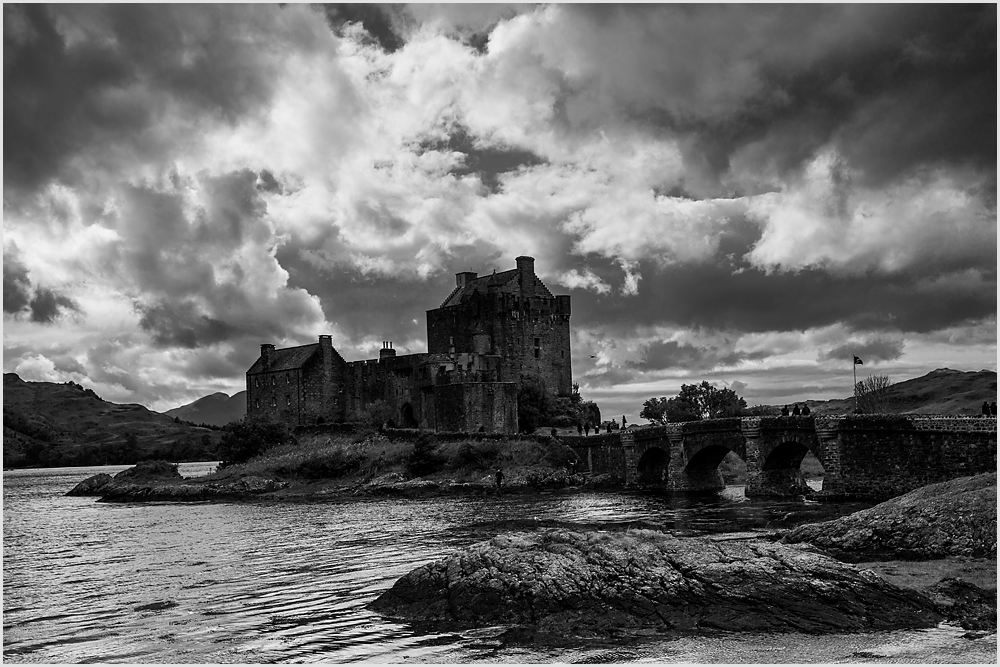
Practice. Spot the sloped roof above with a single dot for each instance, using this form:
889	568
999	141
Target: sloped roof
483	284
287	359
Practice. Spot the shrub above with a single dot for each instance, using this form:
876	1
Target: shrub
475	455
424	460
248	438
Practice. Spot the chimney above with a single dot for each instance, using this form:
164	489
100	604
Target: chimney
386	350
465	277
526	264
267	354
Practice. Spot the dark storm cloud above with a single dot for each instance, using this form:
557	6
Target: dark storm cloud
375	19
488	162
671	354
48	305
16	284
891	87
365	306
181	325
110	83
20	297
712	296
880	349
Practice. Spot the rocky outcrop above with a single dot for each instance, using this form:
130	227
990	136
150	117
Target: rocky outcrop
160	480
966	604
243	487
92	485
597	583
144	471
953	518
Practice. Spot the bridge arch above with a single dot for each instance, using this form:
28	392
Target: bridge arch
780	466
652	466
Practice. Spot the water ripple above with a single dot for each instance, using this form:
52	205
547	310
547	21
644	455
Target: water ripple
271	582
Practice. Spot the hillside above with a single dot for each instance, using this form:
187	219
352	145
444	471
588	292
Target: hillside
217	409
942	391
53	424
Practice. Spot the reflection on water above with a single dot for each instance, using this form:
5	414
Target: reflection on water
268	582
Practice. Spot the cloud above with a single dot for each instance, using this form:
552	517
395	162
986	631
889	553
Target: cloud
99	87
936	221
721	189
875	350
20	297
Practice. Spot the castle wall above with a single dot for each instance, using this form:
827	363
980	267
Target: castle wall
467	406
275	396
520	321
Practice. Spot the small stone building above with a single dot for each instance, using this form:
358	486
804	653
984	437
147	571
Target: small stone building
491	334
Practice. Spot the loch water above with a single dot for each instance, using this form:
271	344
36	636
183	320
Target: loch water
269	582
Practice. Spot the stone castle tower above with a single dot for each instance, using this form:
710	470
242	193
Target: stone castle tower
489	336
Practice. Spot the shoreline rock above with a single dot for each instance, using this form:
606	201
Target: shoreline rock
953	518
562	582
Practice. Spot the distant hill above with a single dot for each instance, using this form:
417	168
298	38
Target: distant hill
942	391
52	424
218	409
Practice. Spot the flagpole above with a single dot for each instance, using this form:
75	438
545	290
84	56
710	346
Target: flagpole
854	361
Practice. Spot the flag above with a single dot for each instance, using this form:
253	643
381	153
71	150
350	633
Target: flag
858	362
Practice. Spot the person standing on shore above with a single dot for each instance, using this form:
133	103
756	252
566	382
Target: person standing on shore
499	476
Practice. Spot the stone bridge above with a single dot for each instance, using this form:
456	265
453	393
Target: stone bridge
869	456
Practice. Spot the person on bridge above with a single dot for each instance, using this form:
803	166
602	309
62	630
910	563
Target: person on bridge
586	428
784	411
796	411
805	409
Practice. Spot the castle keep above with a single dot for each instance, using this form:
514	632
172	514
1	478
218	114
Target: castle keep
491	334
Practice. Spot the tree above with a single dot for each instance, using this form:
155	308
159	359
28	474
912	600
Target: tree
247	438
376	414
532	406
694	402
872	395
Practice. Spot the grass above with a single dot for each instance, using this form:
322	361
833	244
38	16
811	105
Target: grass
362	457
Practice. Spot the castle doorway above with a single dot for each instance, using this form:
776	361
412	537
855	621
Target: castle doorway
407	419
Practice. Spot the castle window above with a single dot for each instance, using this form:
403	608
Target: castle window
288	378
274	380
288	400
537	352
538	342
274	402
257	403
256	382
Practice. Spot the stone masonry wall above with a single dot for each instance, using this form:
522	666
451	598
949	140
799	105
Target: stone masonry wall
877	462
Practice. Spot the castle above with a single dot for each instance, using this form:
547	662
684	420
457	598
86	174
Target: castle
492	334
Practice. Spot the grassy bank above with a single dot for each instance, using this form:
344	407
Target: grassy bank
359	458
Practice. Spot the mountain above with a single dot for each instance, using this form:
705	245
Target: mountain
217	409
50	424
942	391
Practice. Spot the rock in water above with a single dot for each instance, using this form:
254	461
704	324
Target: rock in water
953	518
598	583
149	471
92	486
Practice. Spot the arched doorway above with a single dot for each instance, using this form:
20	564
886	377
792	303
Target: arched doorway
652	466
407	419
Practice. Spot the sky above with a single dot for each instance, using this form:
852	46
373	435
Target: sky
747	195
